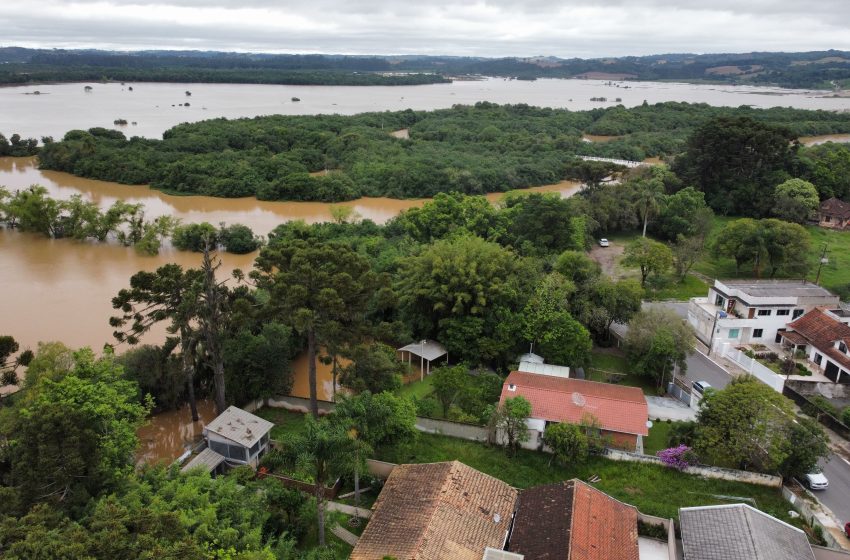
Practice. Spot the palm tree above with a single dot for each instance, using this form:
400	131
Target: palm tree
650	197
324	449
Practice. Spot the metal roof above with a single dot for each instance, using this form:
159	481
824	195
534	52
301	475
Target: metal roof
740	532
208	459
239	426
428	349
544	369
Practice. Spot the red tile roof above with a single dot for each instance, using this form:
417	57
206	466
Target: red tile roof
835	208
602	528
573	521
617	408
822	331
437	511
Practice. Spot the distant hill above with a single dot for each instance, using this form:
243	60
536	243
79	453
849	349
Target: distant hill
817	69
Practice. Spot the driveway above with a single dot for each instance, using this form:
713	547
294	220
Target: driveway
665	408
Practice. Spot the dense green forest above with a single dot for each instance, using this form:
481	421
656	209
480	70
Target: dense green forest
469	149
821	69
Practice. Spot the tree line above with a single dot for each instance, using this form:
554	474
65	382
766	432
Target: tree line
33	210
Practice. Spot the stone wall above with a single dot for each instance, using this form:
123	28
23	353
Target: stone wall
701	470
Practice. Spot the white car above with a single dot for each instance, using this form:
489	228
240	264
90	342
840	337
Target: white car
816	481
603	242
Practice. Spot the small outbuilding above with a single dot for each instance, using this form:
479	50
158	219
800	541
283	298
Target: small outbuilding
834	214
238	436
427	351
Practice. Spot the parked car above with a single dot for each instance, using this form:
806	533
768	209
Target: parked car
816	481
603	242
847	529
701	386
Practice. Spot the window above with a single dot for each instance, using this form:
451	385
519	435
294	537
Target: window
719	301
733	333
797	313
783	312
842	347
757	333
764	312
818	358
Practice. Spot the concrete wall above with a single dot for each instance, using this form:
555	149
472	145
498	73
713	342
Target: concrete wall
297	404
453	429
380	469
823	553
701	470
816	516
669	526
751	365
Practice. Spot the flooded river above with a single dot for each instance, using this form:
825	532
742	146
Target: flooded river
156	107
59	289
168	434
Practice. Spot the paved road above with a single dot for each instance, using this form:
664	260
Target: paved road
837	496
836	469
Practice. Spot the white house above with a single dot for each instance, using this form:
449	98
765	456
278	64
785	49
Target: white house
238	436
753	311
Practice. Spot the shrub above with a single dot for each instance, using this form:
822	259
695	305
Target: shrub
802	370
680	457
845	416
652	531
427	407
568	442
682	433
193	237
238	239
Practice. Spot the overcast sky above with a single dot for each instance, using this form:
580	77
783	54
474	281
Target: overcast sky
458	27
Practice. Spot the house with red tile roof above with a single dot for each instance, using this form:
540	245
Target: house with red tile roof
825	339
834	213
572	520
619	412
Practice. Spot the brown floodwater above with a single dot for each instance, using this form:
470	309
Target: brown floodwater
60	289
168	434
261	216
823	139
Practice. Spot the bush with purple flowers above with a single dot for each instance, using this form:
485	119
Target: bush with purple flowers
680	457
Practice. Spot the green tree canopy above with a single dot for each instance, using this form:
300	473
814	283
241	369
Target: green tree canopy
795	200
651	257
658	340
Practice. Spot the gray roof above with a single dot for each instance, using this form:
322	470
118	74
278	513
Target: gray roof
778	288
428	349
739	532
239	426
208	459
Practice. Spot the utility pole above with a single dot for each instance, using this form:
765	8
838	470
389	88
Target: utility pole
713	327
823	260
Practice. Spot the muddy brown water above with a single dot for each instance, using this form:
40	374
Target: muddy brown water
168	434
59	289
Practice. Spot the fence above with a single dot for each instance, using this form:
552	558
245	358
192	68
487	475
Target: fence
753	367
306	487
701	470
814	514
380	469
824	418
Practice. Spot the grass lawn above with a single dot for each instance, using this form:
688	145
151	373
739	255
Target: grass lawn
652	489
679	291
657	439
834	274
285	421
602	363
417	389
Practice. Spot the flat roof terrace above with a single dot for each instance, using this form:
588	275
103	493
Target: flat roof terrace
775	288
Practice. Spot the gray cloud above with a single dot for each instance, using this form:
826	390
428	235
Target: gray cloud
463	27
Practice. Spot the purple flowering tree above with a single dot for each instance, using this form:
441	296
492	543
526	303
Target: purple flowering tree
680	457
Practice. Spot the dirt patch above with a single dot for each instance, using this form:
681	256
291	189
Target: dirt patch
632	491
607	257
403	134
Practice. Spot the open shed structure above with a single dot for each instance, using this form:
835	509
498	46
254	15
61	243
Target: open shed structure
426	351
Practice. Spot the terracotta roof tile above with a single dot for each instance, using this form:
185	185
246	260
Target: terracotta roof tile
437	511
836	208
573	521
822	331
616	407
